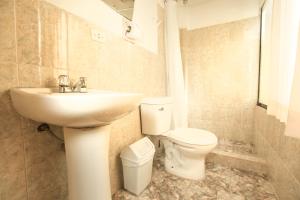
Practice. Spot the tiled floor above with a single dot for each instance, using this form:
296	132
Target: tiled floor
221	183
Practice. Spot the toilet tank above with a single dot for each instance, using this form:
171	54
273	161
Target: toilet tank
156	114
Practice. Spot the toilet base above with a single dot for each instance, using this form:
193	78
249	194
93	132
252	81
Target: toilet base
180	162
183	161
189	169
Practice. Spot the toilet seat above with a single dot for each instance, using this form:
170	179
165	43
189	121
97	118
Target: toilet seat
192	137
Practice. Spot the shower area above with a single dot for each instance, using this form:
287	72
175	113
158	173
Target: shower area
212	66
221	64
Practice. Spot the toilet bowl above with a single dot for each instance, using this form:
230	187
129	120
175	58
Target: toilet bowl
185	148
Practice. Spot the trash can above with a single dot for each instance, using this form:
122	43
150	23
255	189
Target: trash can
137	160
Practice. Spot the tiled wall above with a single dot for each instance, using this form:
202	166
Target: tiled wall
221	64
282	154
37	43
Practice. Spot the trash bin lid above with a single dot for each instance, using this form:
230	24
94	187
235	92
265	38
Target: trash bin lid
139	151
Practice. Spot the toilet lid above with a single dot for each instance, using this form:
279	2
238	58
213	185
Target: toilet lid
193	136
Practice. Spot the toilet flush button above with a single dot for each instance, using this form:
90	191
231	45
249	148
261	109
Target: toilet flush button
161	109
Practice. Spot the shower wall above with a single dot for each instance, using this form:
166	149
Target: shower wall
221	67
281	154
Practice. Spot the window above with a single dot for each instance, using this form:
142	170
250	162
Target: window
265	52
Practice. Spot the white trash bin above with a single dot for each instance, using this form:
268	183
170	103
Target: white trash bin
137	160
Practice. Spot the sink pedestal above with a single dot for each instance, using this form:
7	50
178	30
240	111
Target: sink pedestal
87	163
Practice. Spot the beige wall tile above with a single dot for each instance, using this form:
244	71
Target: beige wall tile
53	36
28	44
39	146
27	31
45	163
13	186
9	76
49	14
7	33
11	154
83	52
27	11
289	152
48	77
29	75
9	120
47	180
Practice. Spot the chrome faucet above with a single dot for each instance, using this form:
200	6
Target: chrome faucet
65	86
80	86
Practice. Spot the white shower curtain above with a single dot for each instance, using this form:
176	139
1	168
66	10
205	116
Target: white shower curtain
175	76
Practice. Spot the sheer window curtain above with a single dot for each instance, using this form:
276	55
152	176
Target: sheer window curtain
283	48
293	122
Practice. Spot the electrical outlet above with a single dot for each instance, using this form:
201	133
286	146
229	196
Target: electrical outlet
98	36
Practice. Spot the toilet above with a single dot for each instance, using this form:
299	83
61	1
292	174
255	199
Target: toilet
185	148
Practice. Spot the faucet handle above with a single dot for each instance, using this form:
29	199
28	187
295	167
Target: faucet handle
83	82
63	80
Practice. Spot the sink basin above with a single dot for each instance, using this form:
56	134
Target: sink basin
75	110
86	118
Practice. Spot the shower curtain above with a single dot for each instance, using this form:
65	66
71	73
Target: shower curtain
175	75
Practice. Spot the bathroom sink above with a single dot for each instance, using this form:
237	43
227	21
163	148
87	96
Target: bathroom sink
73	110
86	119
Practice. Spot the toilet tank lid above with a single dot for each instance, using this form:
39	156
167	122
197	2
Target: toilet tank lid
157	100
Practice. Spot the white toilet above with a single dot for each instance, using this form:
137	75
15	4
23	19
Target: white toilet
185	148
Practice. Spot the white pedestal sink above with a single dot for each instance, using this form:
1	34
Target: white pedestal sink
86	119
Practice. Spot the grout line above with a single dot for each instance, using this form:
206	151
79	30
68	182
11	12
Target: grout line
25	159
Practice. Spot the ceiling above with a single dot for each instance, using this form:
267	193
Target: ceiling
123	7
120	4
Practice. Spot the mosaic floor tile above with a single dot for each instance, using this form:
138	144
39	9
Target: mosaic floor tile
220	183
